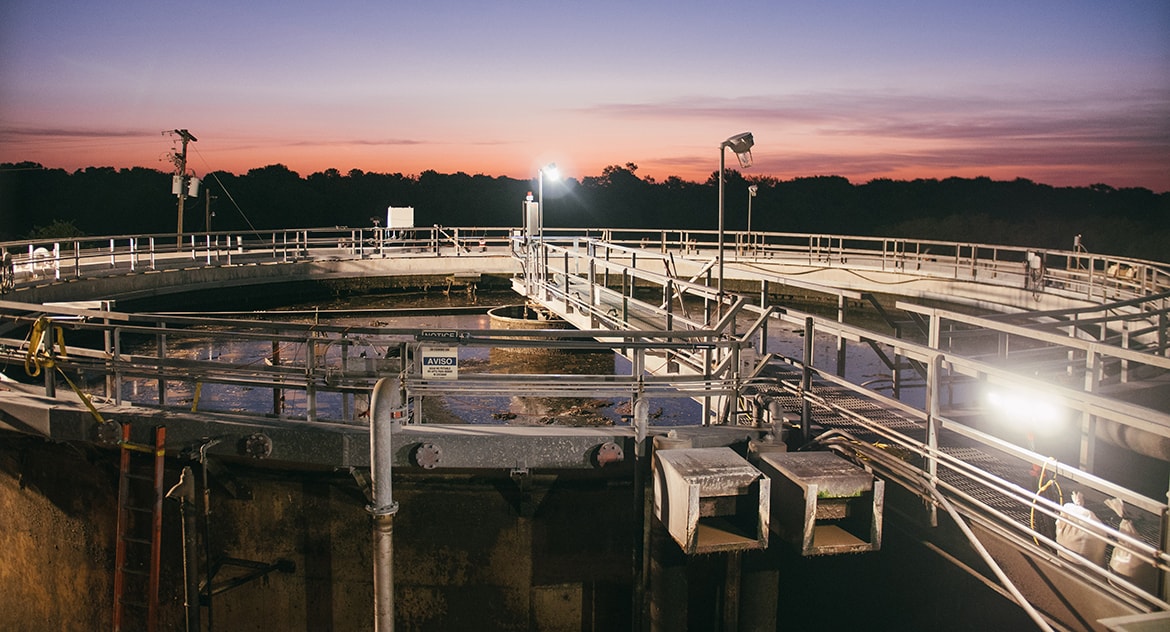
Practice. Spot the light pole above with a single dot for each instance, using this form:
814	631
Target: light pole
553	173
751	194
741	144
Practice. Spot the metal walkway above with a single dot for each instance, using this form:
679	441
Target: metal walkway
946	446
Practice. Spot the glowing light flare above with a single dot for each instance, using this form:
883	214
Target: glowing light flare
1041	413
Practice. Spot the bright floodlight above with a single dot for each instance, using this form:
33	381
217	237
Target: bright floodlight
1039	412
741	144
551	172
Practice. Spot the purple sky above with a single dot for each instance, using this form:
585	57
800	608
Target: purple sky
1064	92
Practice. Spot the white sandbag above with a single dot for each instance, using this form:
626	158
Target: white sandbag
1076	538
1126	564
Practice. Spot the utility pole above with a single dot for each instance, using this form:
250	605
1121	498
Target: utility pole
208	197
180	185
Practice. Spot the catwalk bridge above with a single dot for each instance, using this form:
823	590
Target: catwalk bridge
1011	382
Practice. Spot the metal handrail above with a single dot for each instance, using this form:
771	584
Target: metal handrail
1077	274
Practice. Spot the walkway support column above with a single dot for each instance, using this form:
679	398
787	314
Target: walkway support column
386	412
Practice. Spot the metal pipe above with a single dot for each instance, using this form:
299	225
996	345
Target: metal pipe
722	167
386	409
184	493
806	383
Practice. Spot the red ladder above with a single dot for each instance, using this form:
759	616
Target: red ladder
136	558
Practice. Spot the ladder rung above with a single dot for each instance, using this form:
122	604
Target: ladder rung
127	538
139	477
133	604
138	509
134	571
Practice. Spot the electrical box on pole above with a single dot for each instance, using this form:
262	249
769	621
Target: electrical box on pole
179	184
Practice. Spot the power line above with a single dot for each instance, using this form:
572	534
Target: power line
225	191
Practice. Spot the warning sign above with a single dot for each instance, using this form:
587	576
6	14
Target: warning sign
440	362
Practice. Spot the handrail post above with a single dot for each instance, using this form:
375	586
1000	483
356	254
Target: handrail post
161	342
310	384
806	382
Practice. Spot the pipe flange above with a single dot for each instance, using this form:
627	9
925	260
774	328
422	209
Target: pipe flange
109	433
257	446
608	453
427	456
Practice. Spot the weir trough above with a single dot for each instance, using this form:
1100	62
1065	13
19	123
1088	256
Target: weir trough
711	499
824	504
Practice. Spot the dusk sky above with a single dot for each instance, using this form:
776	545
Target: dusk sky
1064	92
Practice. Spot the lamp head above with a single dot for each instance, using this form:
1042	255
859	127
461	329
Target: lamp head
551	172
752	190
741	144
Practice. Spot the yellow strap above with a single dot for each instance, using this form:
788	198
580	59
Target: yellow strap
198	391
84	397
35	360
146	449
32	358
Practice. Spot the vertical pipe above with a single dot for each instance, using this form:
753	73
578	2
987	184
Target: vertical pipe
160	436
51	347
117	371
627	286
731	590
642	511
108	347
346	396
161	339
205	523
1162	333
277	394
1088	420
386	408
187	509
120	548
310	383
842	305
668	298
806	383
568	302
933	375
719	307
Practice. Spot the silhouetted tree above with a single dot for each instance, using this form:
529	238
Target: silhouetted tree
104	201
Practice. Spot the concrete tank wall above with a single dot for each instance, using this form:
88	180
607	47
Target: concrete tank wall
471	553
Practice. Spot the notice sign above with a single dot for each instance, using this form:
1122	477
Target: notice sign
439	362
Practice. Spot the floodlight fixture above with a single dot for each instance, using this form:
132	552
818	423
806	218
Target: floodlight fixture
1040	413
741	144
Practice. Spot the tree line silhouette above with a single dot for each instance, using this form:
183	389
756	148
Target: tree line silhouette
38	202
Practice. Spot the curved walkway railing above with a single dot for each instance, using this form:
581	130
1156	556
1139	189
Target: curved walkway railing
1073	274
